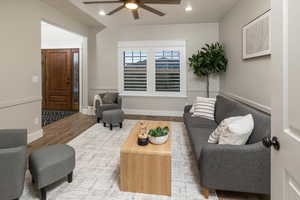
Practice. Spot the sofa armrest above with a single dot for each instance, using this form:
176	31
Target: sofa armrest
10	138
187	108
244	168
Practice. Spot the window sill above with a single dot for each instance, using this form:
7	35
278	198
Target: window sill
161	95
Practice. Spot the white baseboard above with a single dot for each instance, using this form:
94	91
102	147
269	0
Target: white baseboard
248	102
163	113
35	135
87	111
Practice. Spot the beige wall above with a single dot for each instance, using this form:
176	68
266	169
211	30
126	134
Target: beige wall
105	75
20	39
246	80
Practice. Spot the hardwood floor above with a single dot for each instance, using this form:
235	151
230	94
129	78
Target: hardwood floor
65	130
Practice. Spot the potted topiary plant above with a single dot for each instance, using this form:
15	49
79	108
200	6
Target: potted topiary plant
209	60
158	135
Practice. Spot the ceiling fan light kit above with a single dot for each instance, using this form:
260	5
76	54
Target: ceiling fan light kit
133	5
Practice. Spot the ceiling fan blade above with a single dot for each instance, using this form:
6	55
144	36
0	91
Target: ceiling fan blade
150	9
135	14
99	2
116	10
161	1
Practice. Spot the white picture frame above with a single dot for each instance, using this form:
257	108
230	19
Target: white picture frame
257	37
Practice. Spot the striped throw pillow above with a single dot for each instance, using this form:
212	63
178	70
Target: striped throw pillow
204	107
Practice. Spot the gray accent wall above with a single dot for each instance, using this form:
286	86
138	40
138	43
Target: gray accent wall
245	80
104	77
20	40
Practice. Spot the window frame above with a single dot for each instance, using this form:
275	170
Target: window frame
150	48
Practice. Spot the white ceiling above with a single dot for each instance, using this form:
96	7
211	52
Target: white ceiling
203	11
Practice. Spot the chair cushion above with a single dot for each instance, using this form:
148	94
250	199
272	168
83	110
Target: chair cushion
110	98
49	164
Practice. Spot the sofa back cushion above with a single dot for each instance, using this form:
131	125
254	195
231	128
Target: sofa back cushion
226	107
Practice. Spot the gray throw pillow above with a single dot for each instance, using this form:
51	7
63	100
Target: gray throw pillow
110	98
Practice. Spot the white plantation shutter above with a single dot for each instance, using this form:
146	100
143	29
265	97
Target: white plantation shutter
167	76
152	68
135	71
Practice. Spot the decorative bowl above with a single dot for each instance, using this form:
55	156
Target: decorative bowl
158	135
158	140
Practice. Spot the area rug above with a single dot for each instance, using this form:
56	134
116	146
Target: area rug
96	176
50	116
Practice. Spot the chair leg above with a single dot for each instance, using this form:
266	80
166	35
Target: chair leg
121	125
70	177
98	120
111	127
104	124
205	192
43	194
32	180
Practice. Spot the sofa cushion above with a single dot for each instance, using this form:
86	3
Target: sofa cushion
199	137
197	122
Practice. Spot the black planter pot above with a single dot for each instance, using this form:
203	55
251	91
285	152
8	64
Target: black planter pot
143	141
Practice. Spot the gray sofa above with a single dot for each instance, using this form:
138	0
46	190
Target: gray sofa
13	158
116	104
243	168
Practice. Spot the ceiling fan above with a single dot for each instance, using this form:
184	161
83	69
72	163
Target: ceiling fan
134	5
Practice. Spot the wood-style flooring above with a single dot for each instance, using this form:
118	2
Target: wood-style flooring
65	130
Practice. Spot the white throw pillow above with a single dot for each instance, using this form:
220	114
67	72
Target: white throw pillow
221	129
238	131
204	107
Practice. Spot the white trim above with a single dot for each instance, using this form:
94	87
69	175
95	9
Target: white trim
35	136
163	113
152	44
88	110
25	100
249	102
150	47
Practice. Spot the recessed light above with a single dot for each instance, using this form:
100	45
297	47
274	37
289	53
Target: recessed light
188	8
102	13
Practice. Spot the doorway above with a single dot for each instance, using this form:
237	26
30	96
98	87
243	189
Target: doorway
61	54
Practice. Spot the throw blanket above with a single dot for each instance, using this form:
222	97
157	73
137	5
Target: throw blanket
97	97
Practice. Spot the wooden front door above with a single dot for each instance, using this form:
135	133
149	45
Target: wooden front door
57	79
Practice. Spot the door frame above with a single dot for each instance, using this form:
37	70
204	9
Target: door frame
83	66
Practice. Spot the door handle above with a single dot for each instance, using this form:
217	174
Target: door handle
268	142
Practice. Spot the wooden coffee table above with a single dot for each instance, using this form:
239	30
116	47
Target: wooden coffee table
146	169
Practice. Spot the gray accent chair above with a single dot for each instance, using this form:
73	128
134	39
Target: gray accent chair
117	104
13	163
242	168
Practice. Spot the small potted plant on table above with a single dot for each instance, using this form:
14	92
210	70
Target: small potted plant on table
158	135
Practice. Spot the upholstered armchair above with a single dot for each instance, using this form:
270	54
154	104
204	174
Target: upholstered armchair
109	101
13	150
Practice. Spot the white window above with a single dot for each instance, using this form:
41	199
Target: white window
152	68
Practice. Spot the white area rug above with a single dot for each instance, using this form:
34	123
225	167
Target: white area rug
96	176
